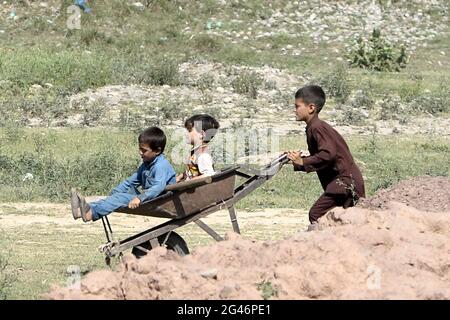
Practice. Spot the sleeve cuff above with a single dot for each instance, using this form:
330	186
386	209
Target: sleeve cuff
142	197
306	165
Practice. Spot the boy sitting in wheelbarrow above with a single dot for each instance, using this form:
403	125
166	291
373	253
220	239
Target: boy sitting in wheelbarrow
154	174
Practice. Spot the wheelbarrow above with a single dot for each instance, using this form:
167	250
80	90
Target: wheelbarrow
186	202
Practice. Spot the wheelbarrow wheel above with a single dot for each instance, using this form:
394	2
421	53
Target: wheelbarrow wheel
173	242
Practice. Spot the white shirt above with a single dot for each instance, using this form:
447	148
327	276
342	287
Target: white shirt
205	164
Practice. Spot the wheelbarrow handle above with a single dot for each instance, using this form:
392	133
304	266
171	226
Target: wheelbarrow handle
282	159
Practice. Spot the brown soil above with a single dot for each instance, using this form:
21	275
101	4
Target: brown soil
398	252
424	193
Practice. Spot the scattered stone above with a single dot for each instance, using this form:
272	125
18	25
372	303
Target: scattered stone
209	274
138	5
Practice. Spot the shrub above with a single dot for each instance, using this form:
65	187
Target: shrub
93	113
166	111
362	99
431	104
248	108
207	44
378	54
214	111
270	85
204	84
130	118
247	83
165	72
336	84
267	290
392	107
88	36
371	146
353	116
6	278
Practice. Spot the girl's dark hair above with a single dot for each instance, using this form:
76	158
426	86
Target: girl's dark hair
312	94
154	137
203	122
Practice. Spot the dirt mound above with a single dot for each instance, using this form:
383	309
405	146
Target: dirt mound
424	193
398	253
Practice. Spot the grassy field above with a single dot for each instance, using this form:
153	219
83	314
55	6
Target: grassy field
120	44
43	164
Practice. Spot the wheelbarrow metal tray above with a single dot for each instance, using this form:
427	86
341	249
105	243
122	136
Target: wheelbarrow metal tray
189	197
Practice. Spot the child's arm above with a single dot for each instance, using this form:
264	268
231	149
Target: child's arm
158	183
131	181
326	154
181	177
296	158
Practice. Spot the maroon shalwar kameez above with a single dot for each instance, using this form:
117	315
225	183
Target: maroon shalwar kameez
339	176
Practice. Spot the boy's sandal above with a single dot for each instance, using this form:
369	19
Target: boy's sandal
84	207
74	204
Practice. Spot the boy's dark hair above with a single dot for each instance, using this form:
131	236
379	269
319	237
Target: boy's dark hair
154	137
203	122
312	94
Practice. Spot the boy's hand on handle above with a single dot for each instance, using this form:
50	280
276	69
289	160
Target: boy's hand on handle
295	157
134	203
304	153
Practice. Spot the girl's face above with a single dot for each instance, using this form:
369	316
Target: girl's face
194	137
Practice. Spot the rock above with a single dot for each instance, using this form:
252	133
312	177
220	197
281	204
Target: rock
138	5
209	274
35	88
226	292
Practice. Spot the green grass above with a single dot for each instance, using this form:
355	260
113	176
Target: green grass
104	158
39	257
118	45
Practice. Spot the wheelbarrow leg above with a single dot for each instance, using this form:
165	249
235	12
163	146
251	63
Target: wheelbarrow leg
234	219
208	230
106	230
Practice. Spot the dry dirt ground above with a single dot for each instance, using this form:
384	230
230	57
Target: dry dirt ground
58	216
372	251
